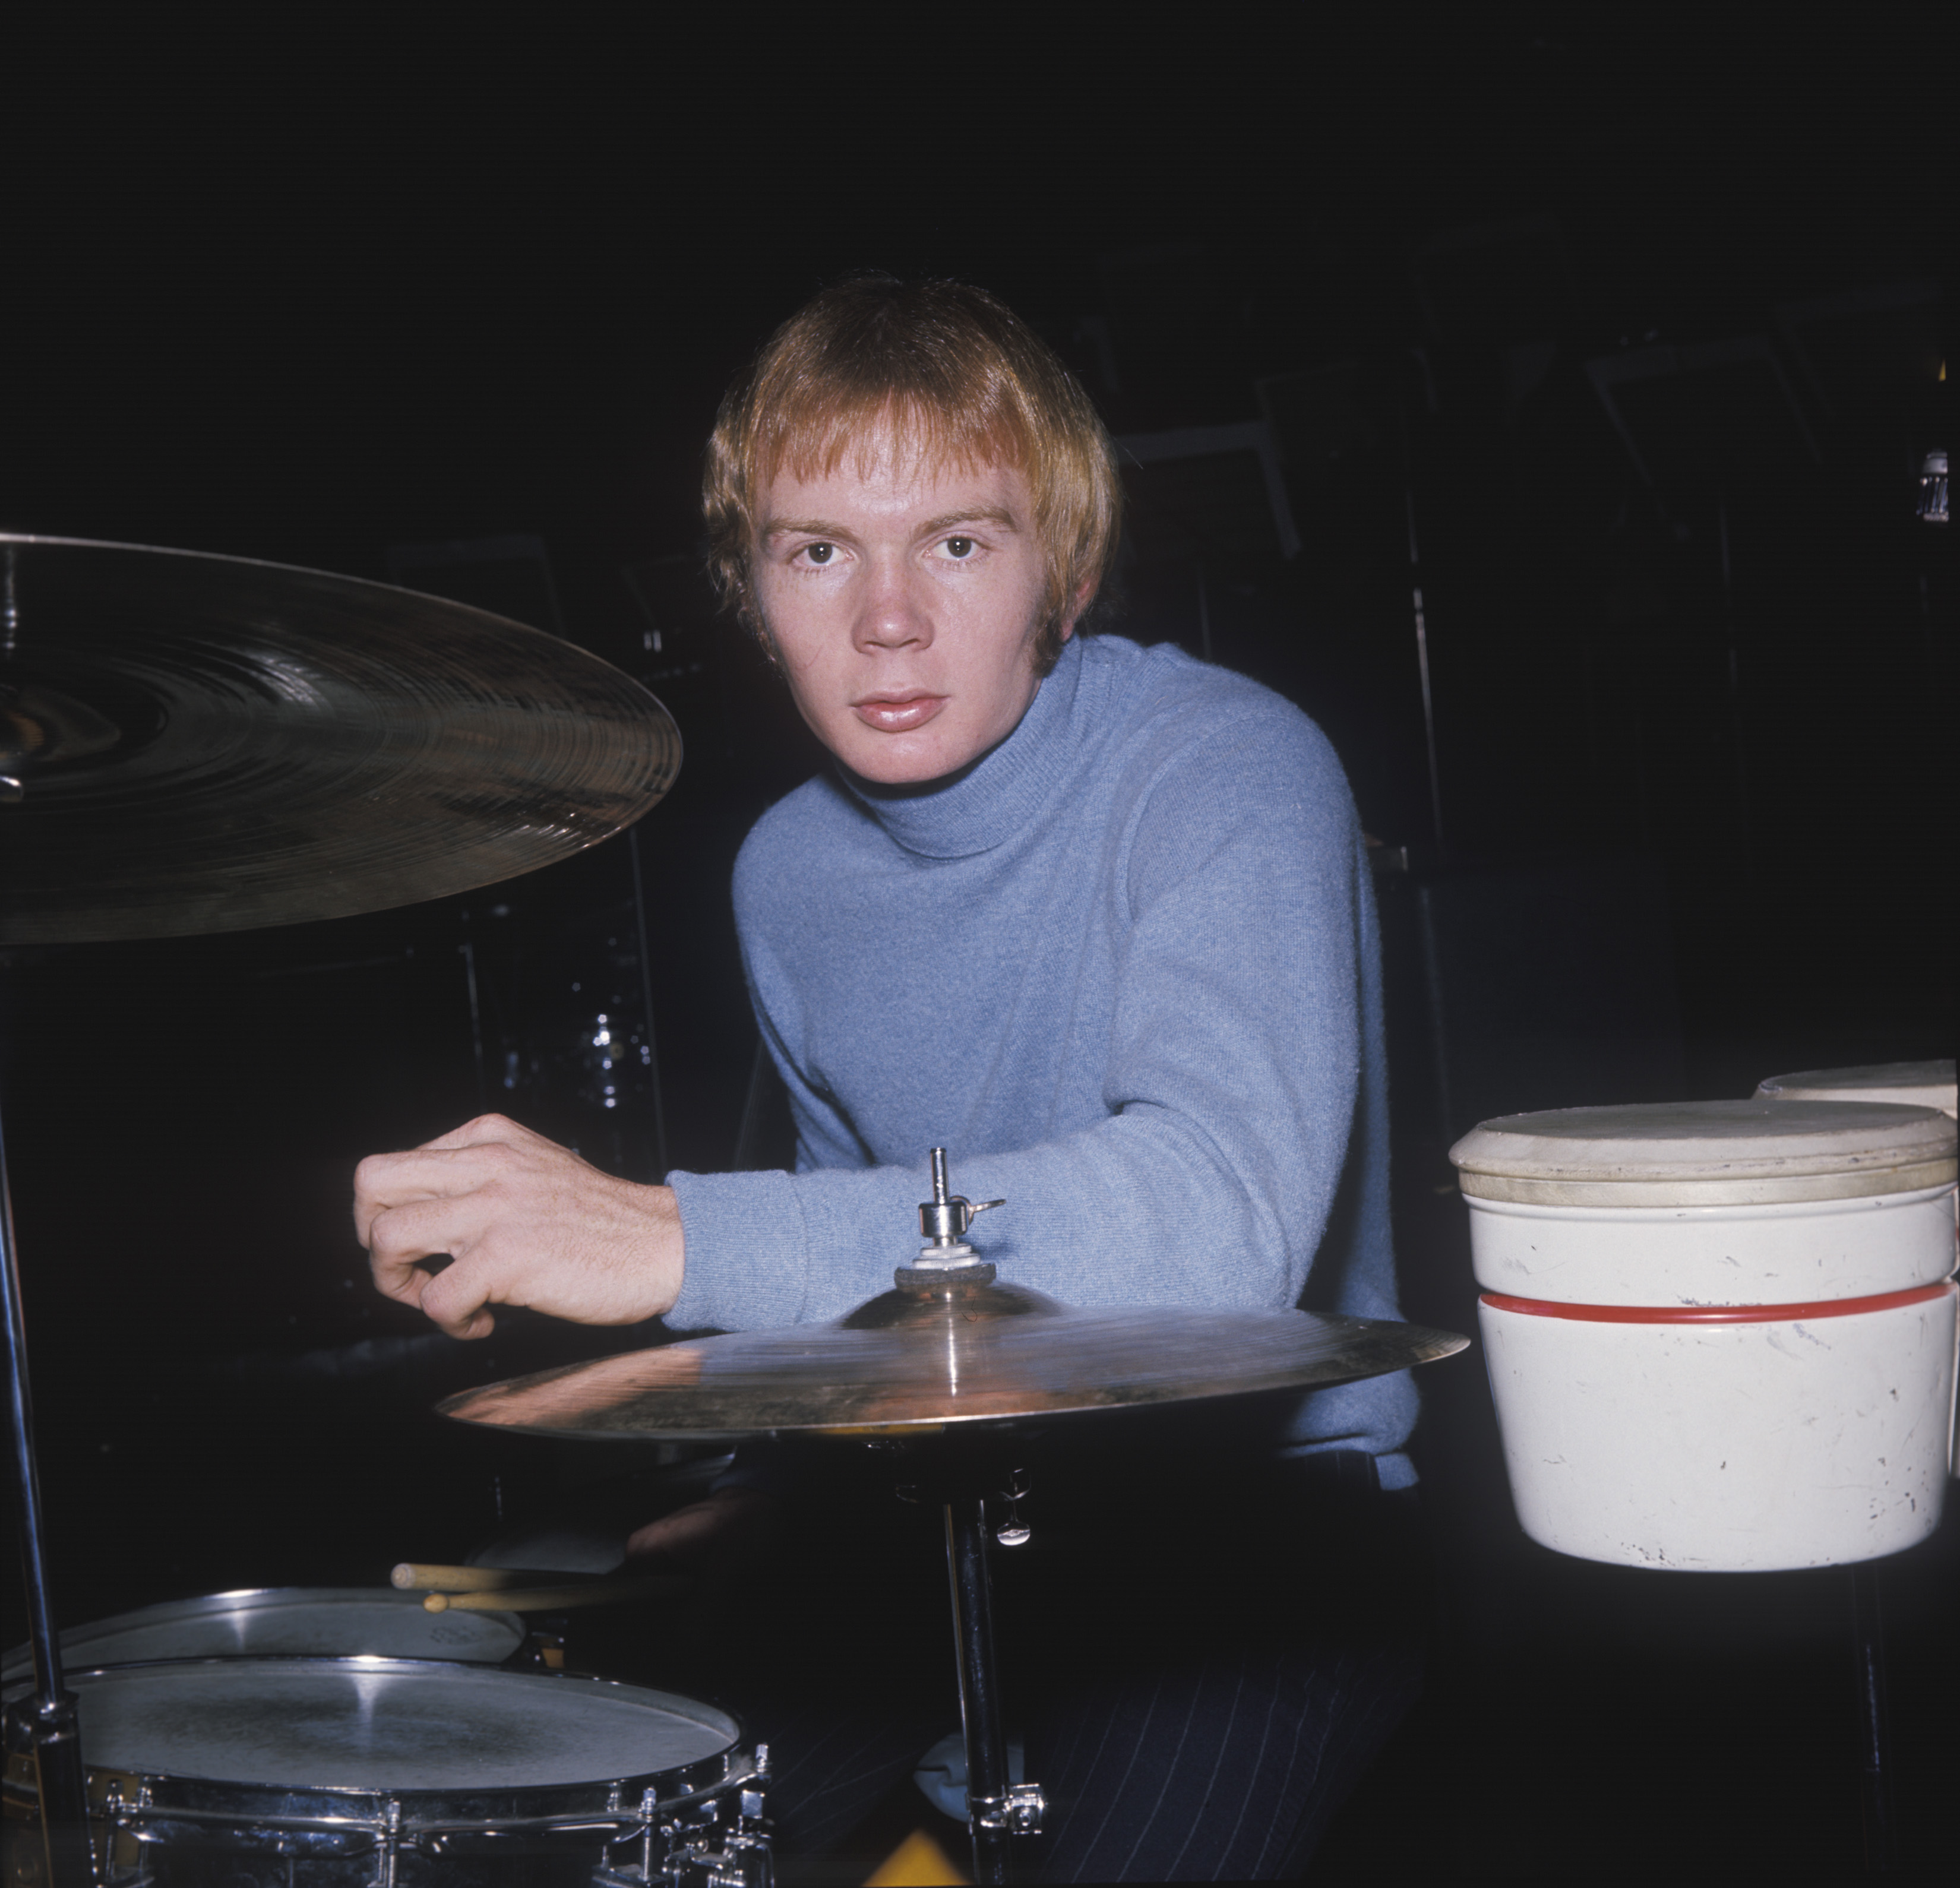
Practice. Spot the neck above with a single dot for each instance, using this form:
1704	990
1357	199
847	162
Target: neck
980	805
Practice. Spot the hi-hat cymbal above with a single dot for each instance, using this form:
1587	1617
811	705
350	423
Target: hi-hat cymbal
191	743
963	1354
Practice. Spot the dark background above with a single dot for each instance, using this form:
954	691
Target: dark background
318	298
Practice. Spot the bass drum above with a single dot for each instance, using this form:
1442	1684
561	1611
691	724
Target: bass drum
400	1773
286	1622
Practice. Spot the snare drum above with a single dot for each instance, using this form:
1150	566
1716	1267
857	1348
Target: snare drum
288	1622
362	1772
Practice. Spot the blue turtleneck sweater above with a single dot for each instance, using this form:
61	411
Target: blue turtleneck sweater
1125	970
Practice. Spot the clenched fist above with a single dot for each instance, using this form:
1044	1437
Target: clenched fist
525	1220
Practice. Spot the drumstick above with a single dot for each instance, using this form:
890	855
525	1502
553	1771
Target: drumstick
414	1575
553	1599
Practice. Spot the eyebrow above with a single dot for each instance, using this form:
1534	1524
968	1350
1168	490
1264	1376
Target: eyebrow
820	528
975	514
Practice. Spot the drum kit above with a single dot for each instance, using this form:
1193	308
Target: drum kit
1721	1337
192	744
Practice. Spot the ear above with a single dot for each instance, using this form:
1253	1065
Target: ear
748	614
1085	595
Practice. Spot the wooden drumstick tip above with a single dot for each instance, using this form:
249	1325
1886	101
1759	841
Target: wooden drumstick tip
435	1602
414	1575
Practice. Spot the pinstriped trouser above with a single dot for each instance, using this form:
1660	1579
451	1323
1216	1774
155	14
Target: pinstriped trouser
1229	1771
1197	1718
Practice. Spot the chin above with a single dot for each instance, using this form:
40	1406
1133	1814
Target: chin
888	770
891	764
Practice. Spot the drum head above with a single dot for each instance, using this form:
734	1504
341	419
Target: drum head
286	1622
385	1725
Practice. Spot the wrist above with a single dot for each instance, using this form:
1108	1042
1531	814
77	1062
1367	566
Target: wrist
665	1264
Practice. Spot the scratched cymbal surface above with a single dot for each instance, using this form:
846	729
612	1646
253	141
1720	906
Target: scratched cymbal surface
193	744
1035	1358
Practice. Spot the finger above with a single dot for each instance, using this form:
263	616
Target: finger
458	1298
484	1129
678	1537
401	1237
384	1181
371	1180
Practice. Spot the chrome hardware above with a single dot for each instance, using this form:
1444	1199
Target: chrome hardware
1018	1813
1014	1532
1932	489
390	1848
943	1220
714	1837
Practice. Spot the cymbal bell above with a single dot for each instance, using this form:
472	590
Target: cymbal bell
193	744
964	1353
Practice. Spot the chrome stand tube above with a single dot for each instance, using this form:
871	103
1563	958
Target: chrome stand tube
47	1723
987	1791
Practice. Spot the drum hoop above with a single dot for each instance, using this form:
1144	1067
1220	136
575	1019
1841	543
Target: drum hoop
618	1825
1869	1183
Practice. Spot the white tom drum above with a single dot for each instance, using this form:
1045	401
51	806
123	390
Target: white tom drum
1919	1084
1914	1084
1719	1335
359	1772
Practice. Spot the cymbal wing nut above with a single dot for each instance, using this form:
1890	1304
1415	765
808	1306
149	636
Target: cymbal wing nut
944	1218
943	1222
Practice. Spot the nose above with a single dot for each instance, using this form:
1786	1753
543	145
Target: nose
892	612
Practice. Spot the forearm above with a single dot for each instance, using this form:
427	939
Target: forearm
1148	1206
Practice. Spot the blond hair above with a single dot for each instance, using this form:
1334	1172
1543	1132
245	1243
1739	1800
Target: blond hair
949	374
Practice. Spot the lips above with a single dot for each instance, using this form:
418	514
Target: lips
898	715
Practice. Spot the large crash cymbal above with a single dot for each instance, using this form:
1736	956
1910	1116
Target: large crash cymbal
191	743
963	1354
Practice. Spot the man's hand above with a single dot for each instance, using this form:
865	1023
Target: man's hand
525	1222
737	1524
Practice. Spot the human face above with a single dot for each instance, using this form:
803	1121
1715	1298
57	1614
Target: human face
903	600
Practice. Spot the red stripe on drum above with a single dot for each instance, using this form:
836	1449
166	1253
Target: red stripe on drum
1717	1314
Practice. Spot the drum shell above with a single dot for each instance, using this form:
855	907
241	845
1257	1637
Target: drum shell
196	1830
1791	1252
1736	1447
1928	1084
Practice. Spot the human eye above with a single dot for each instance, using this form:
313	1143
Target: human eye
959	547
818	553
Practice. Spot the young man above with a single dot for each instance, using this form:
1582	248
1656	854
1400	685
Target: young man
1096	918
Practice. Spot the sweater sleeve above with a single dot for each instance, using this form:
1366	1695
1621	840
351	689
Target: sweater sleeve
1231	1081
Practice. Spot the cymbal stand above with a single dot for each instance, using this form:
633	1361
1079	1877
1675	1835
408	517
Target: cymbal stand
1868	1638
997	1810
44	1725
958	1475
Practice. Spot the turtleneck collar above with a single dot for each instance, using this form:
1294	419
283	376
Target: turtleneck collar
1005	791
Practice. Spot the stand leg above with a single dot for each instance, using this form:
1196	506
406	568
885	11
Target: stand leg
45	1723
979	1694
1868	1640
